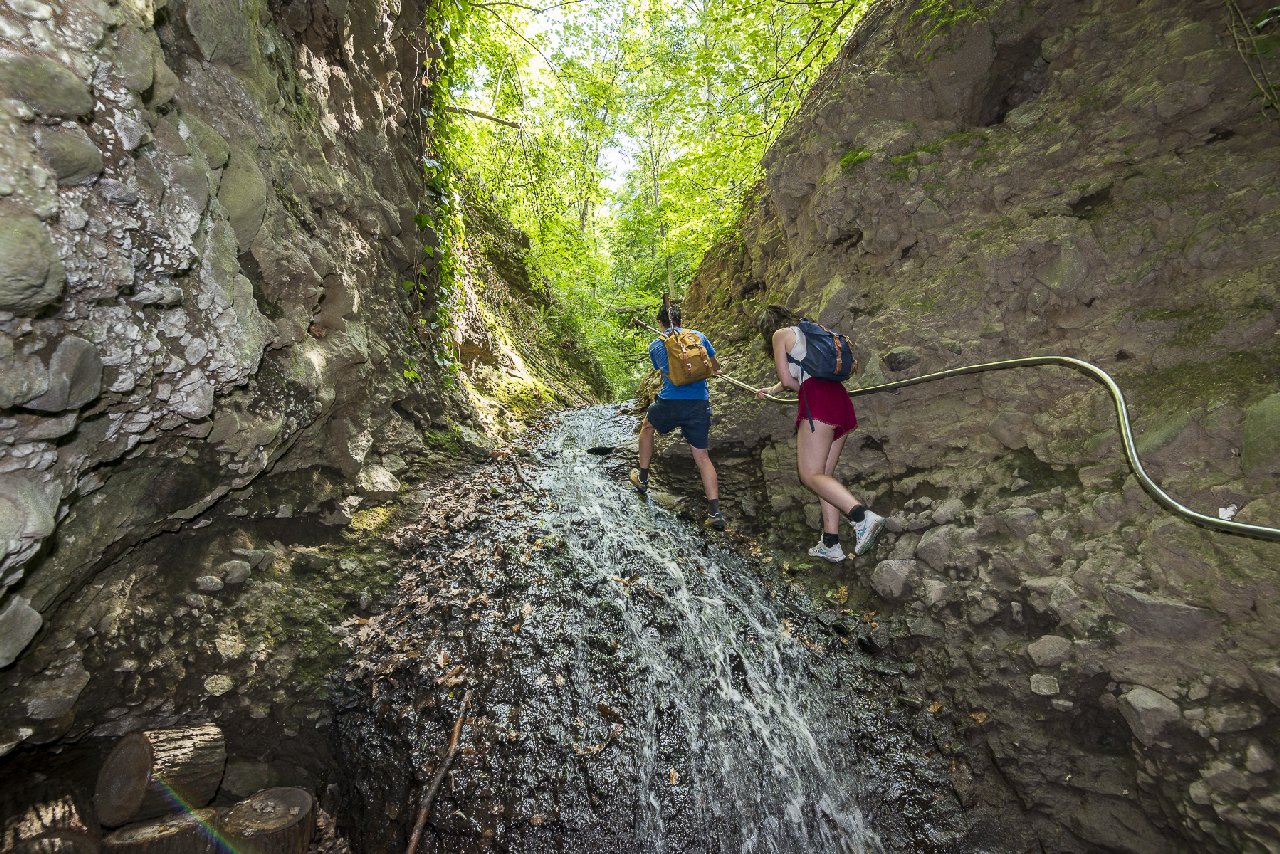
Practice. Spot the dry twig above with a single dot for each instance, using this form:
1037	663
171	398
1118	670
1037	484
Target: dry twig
430	794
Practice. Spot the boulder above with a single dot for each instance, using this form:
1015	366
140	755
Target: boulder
209	584
21	378
26	513
47	86
1148	713
947	546
75	377
1159	617
233	572
893	579
1049	651
223	30
209	142
31	273
54	698
135	58
243	193
1268	675
1044	685
74	157
377	482
19	623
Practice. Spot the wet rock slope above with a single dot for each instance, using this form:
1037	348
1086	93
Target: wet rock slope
1098	180
632	685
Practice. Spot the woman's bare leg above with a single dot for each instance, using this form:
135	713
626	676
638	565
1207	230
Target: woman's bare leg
830	515
813	449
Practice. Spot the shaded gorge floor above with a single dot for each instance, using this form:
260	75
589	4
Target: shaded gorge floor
635	684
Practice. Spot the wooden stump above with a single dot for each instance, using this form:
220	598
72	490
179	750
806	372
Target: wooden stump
152	773
274	821
48	818
181	833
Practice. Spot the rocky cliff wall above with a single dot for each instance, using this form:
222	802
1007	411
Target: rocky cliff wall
208	365
1093	179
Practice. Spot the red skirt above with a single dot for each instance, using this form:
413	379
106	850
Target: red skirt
826	401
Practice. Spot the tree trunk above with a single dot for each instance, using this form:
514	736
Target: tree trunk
182	833
50	818
274	821
151	773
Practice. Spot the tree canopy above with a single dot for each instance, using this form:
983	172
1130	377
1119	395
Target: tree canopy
621	137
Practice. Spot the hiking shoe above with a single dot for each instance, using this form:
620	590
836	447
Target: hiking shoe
714	521
642	486
835	553
867	532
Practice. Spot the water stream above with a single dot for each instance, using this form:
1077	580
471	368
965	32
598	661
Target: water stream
637	685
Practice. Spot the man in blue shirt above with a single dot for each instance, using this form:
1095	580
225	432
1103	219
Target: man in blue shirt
687	407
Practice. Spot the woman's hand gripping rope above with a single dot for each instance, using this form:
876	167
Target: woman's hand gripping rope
765	393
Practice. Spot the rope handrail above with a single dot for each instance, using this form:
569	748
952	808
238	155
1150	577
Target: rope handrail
1122	417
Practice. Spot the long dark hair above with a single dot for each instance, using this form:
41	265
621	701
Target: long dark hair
774	317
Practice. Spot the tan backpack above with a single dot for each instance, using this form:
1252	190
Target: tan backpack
687	359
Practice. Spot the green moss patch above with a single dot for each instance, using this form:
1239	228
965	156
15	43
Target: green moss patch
853	158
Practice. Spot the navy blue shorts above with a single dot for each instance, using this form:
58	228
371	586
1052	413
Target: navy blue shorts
693	417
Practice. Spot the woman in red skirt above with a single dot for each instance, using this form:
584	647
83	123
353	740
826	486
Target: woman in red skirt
827	416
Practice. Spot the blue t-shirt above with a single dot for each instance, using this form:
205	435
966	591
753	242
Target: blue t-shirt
670	391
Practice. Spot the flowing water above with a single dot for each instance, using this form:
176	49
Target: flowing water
637	684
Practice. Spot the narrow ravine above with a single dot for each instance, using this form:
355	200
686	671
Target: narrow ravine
636	685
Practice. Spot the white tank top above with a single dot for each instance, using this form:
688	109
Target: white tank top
798	351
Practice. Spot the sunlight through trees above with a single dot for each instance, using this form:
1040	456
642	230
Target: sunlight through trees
622	138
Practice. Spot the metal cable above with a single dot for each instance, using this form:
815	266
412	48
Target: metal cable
1122	417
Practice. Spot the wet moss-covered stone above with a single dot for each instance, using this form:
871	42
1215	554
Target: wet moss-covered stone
222	32
46	85
135	58
31	273
243	193
210	143
75	377
74	157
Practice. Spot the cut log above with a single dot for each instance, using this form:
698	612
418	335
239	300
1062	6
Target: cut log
181	833
48	818
274	821
156	772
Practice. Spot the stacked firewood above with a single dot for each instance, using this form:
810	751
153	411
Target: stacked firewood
152	797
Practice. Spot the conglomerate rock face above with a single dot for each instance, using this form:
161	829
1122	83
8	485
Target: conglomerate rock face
207	209
1096	180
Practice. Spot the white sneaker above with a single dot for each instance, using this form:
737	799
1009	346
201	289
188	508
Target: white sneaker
835	553
866	532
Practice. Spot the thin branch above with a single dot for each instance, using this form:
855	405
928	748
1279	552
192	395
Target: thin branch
485	116
430	794
532	9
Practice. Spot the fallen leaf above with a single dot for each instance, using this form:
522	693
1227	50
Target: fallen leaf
935	707
979	718
673	776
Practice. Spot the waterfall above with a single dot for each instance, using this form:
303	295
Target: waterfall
639	684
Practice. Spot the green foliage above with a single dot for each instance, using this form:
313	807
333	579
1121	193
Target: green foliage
621	138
